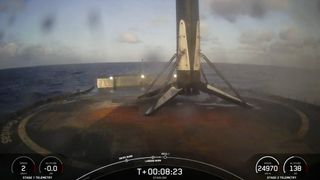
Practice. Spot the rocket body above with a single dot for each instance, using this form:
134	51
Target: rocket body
188	45
188	65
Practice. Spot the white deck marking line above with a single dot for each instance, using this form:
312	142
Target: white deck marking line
41	150
304	127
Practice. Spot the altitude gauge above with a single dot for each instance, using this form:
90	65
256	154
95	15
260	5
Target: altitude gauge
295	166
23	166
267	165
51	166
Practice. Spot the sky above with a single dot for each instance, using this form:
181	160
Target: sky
264	32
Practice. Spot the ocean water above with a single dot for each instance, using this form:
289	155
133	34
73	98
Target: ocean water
22	87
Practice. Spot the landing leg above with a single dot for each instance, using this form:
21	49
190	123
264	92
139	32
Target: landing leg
167	96
221	76
162	71
207	88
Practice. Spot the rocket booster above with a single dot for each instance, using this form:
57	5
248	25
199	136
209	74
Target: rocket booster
187	62
188	44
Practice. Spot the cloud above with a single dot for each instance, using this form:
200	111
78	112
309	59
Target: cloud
294	38
288	39
11	8
256	37
1	35
158	21
11	20
206	36
36	51
231	10
290	34
311	42
256	41
16	54
18	51
12	5
8	50
306	14
128	37
288	47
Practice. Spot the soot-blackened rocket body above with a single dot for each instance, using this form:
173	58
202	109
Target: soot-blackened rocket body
188	44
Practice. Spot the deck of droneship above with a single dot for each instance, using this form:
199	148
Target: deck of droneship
95	129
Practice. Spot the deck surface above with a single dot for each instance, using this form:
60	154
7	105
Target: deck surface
95	129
